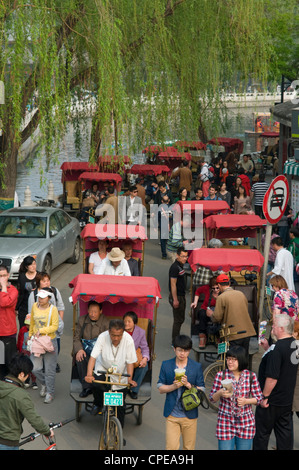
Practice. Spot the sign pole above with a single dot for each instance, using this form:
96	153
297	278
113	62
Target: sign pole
264	272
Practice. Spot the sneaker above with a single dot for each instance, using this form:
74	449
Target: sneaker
43	391
34	386
49	398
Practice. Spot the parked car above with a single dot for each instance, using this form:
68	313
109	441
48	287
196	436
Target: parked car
48	234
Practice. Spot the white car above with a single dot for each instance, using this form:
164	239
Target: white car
48	234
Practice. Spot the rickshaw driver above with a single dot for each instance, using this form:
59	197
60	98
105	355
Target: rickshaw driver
114	349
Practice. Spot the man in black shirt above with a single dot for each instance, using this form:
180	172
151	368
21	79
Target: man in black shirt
177	291
275	411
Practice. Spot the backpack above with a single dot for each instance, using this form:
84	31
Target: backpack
211	174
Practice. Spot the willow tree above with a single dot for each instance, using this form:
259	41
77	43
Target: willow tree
157	69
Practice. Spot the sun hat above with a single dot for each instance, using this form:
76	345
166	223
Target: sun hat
116	254
222	278
43	294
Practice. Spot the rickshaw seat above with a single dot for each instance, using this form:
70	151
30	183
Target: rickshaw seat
72	192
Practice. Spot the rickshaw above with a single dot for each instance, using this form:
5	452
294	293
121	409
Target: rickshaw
150	170
231	261
71	186
113	163
172	157
228	143
87	179
233	226
118	294
117	236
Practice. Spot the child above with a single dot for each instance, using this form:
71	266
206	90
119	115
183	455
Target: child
22	348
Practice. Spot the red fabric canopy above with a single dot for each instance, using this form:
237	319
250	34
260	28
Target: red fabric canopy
233	225
114	159
228	143
191	145
72	170
113	232
226	259
153	149
173	153
208	207
149	169
114	289
90	176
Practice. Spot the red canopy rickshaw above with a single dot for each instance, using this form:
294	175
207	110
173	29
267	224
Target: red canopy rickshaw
118	294
113	163
149	170
229	144
172	157
233	226
117	235
71	187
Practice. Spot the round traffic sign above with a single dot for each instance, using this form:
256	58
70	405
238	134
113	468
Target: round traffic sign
276	199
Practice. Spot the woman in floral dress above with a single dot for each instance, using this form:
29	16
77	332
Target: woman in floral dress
284	300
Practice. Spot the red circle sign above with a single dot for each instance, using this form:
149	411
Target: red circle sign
276	199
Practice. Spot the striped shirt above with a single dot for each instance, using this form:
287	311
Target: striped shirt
259	189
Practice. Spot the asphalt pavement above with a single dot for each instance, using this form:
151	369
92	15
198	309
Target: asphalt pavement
150	435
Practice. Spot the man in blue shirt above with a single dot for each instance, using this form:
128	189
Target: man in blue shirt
212	194
178	421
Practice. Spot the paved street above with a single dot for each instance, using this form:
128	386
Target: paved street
150	435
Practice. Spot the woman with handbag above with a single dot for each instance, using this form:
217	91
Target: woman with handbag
44	322
180	422
236	422
142	350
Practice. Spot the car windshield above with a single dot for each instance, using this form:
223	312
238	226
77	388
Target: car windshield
22	226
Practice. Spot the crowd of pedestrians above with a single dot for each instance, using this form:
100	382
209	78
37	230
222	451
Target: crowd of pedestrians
272	391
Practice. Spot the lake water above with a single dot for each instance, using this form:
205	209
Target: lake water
240	119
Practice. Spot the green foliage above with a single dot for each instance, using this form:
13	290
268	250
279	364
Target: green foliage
157	68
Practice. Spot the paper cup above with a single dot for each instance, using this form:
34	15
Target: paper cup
227	384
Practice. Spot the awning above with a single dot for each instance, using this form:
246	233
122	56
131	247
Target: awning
113	289
149	169
233	225
291	168
226	259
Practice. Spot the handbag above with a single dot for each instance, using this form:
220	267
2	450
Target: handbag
193	398
139	357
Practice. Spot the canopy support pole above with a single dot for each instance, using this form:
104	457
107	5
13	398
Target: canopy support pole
264	272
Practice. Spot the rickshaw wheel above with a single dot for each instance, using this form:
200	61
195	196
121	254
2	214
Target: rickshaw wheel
209	377
115	437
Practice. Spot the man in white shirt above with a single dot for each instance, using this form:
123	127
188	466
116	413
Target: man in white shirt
115	264
284	263
113	349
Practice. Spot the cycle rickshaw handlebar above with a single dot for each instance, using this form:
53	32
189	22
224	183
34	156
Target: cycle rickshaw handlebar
108	374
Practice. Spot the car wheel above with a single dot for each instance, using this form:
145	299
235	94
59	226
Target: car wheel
47	266
76	253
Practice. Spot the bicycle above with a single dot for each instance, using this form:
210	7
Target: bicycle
45	202
52	441
211	371
112	434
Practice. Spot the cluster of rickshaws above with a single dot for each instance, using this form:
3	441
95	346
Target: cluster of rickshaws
142	294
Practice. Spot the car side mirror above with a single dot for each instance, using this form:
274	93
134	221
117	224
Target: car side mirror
53	233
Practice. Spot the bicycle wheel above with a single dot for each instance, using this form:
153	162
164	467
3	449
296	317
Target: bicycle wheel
209	377
114	436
